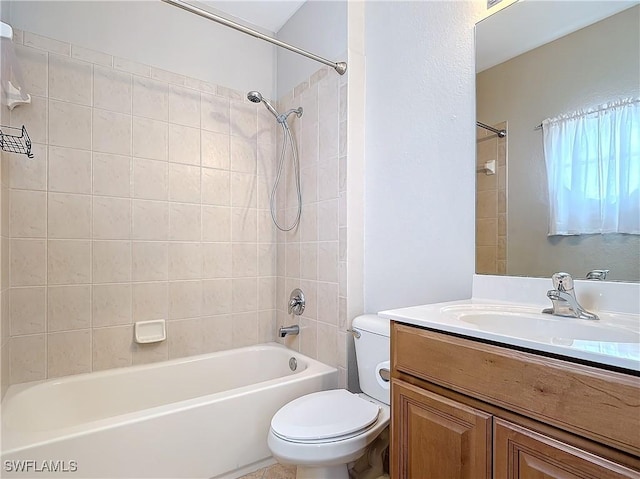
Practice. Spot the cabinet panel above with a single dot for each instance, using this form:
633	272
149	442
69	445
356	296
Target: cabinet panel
434	437
520	453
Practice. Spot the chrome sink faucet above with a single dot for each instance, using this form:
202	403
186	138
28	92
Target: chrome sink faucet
564	299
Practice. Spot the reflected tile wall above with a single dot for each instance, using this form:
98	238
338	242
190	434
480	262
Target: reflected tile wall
491	205
146	199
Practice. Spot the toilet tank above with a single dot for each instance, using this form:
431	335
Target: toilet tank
372	355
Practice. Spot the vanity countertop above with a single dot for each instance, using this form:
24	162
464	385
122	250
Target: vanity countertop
614	340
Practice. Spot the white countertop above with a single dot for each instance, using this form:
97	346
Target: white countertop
614	340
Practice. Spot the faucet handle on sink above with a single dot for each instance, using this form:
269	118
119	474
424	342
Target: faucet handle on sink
562	281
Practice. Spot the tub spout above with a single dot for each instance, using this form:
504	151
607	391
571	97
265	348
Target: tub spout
286	330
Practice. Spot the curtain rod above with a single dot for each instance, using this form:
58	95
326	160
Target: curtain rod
500	133
340	67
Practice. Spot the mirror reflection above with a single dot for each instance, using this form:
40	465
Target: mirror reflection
597	64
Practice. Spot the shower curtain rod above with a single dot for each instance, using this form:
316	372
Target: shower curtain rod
500	133
340	67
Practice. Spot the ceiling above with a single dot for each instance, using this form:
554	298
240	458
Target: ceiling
269	15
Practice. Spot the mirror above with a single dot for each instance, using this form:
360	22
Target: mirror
537	60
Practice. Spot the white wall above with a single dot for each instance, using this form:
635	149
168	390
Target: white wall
319	27
420	151
156	34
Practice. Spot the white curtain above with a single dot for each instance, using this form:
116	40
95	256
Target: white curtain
593	170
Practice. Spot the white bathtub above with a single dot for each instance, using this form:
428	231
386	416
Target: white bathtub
198	417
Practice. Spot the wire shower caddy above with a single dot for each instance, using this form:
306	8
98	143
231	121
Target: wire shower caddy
15	140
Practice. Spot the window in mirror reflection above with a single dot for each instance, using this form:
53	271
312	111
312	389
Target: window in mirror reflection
593	170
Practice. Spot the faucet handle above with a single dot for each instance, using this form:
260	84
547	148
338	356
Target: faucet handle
598	274
562	281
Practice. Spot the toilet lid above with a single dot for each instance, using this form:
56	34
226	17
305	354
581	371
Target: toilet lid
324	415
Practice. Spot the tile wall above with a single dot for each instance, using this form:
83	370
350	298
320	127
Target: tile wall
4	263
148	198
313	256
491	203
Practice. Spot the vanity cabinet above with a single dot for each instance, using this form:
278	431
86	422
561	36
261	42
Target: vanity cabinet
466	409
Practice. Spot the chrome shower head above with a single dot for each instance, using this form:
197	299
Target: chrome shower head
256	97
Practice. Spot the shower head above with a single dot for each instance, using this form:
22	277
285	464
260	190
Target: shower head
256	97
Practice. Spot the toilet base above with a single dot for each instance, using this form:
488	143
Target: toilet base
322	472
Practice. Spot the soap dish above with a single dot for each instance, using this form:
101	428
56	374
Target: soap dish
150	331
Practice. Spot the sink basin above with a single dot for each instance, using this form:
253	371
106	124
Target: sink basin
544	327
613	340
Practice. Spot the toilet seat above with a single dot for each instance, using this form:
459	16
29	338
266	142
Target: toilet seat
325	416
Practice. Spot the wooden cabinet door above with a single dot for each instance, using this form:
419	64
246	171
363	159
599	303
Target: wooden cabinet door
519	453
436	438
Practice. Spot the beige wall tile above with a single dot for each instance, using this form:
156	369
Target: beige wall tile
214	114
166	76
244	225
217	333
184	337
70	80
150	301
68	261
184	144
184	106
244	260
111	175
91	56
327	344
486	260
184	183
486	204
111	261
35	115
111	304
34	65
27	358
150	98
328	181
131	67
216	187
112	89
244	294
150	261
150	138
308	337
112	347
27	310
328	261
244	330
111	132
32	174
68	307
243	120
266	293
150	220
185	261
487	232
328	303
328	220
28	262
111	218
69	216
150	353
150	179
184	222
185	299
48	44
267	259
216	296
243	155
28	213
216	260
69	170
244	190
68	353
69	125
215	150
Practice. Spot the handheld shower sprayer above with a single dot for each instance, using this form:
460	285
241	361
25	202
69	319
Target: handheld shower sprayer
256	97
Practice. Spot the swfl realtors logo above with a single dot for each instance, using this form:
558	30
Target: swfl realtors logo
31	465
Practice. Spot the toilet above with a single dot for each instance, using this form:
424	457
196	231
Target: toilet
321	433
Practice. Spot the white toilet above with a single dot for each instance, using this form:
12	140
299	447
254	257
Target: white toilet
322	432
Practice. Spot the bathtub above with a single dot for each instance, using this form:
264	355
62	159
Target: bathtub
197	417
